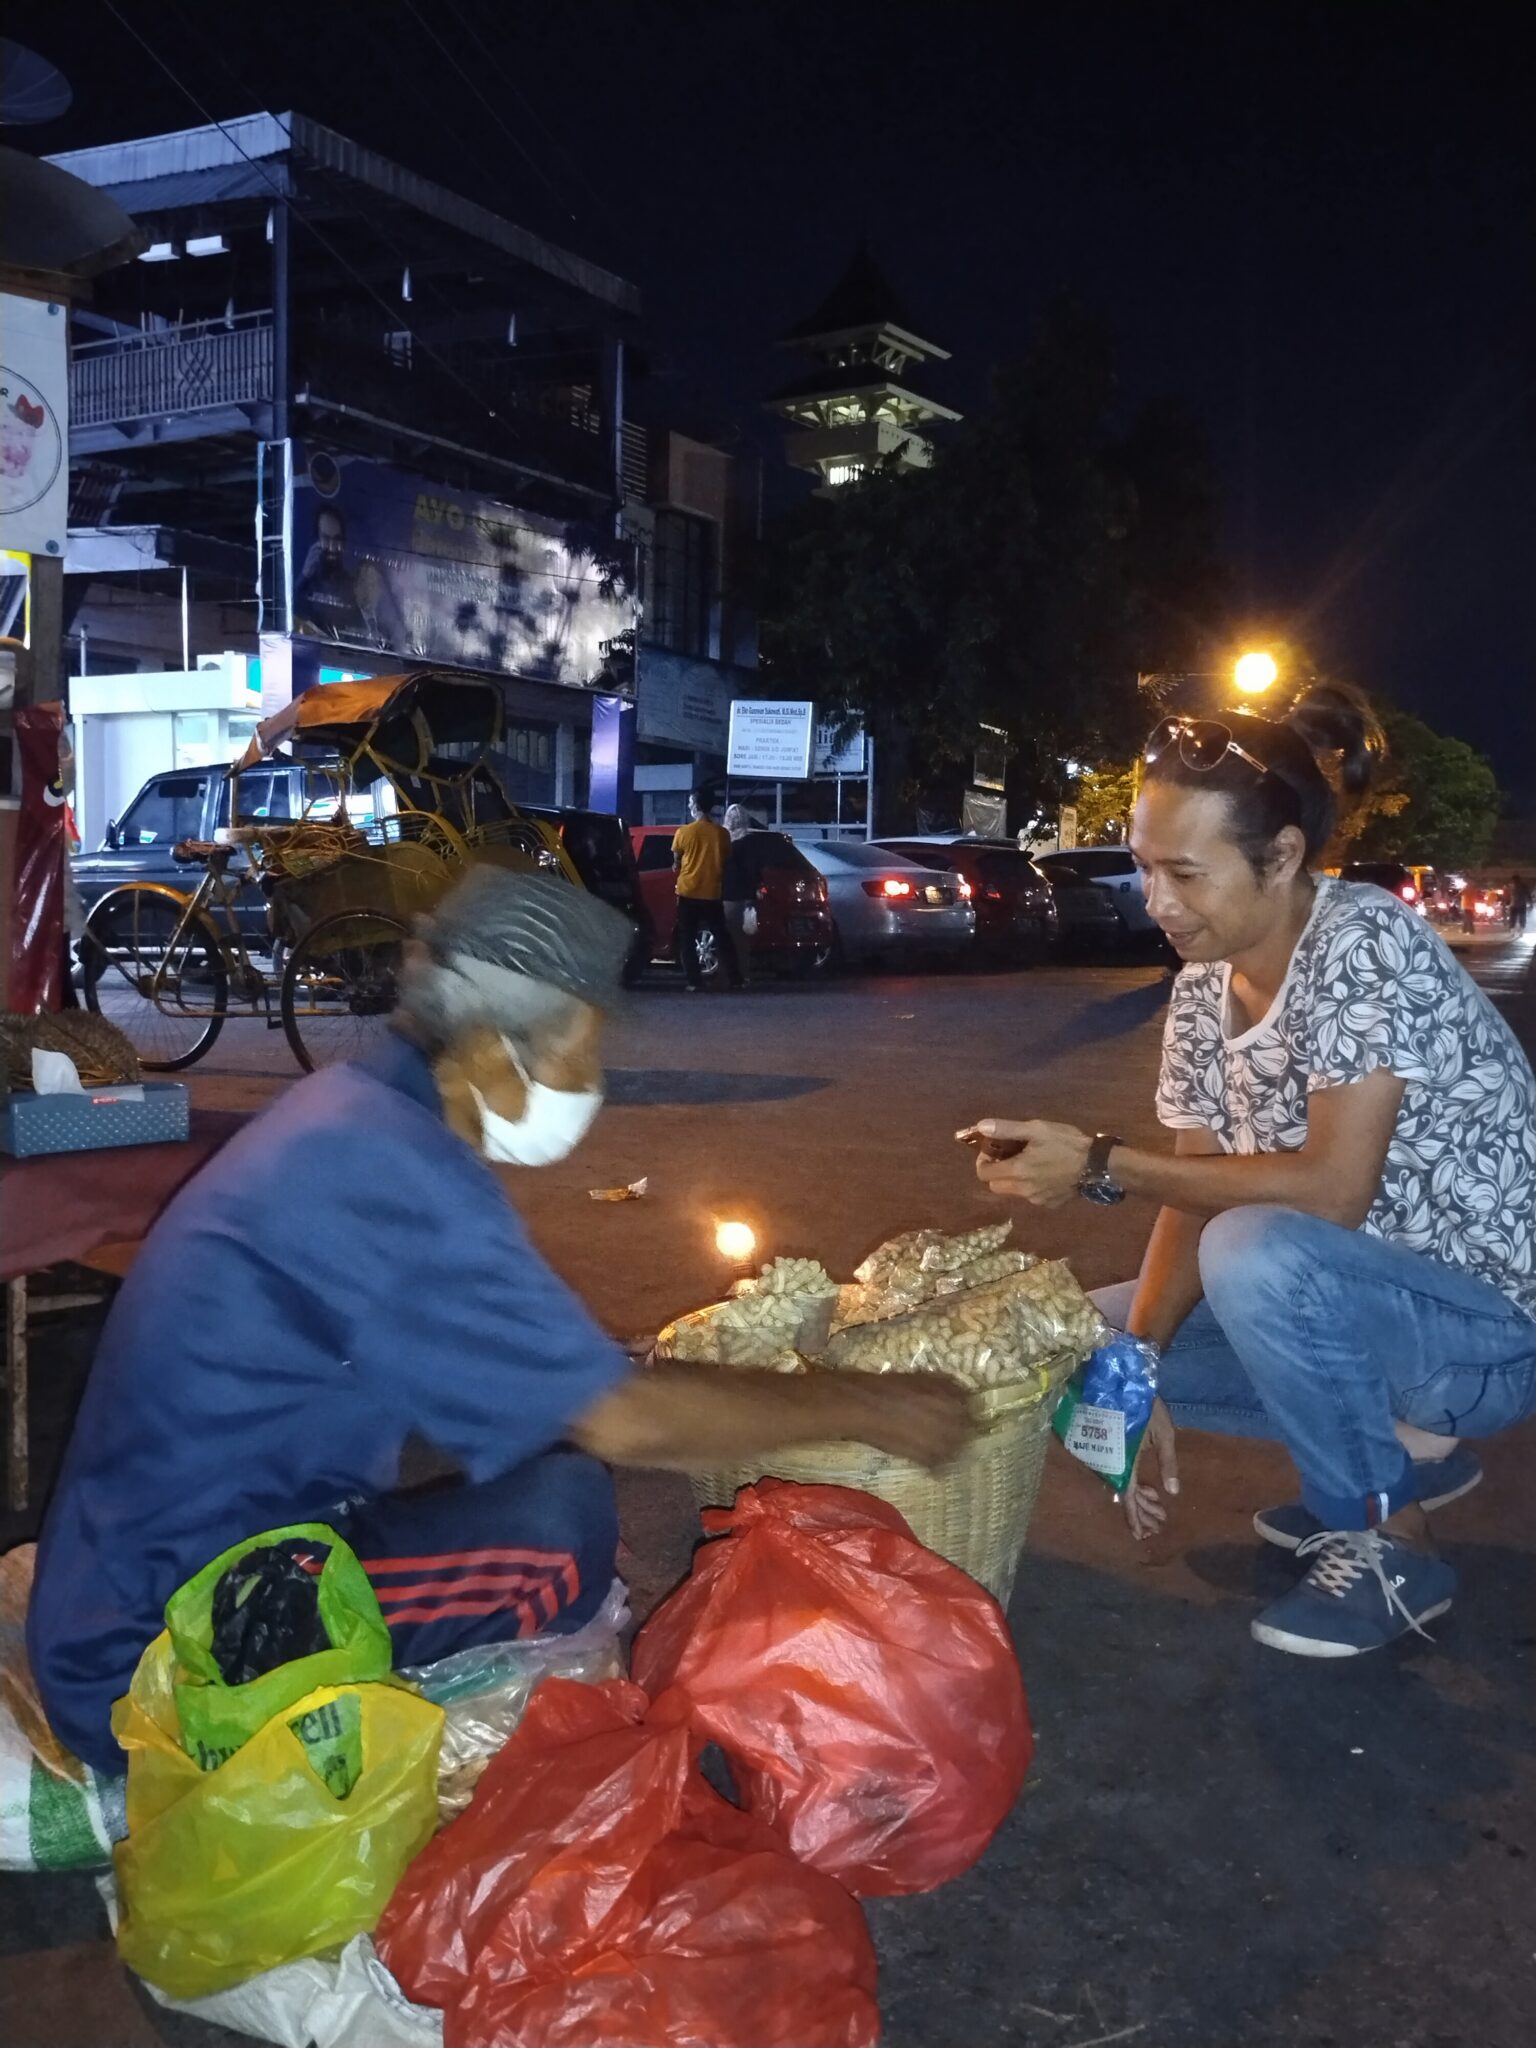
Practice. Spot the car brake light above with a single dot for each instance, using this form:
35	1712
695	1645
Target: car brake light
762	892
891	886
1408	893
966	891
992	894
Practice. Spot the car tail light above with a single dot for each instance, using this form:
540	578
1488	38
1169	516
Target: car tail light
991	893
762	892
1408	893
890	887
965	890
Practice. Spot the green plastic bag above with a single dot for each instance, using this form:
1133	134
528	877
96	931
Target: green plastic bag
216	1719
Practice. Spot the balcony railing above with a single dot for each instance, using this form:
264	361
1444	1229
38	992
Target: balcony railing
192	368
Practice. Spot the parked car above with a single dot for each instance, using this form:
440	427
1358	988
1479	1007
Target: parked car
887	907
1415	886
1016	914
181	804
1087	918
599	844
1112	868
794	933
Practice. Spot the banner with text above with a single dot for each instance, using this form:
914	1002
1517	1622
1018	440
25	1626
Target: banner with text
770	739
392	562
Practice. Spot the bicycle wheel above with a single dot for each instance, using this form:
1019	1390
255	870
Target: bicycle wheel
340	985
167	993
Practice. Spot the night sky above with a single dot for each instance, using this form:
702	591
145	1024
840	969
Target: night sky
1314	223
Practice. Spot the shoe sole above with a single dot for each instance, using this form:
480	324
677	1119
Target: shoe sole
1430	1506
1310	1646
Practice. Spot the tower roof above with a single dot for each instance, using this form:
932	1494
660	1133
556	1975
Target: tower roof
862	297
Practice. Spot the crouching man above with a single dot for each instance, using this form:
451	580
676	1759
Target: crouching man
348	1273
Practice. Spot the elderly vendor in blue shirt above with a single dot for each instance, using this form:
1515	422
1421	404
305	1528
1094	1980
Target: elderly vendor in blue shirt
348	1273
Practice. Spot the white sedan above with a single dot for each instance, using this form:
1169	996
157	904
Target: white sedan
1114	869
889	908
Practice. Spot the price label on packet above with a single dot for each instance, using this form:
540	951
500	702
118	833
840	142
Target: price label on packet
1097	1437
1105	1409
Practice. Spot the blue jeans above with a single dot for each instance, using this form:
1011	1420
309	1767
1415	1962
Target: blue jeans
1320	1338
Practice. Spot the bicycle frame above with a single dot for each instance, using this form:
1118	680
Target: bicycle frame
250	991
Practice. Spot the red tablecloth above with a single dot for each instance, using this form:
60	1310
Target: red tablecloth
66	1205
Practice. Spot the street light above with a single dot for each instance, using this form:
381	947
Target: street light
1254	673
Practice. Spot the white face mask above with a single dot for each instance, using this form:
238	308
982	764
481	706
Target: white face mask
553	1123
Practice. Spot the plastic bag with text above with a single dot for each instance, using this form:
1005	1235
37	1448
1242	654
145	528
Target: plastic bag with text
290	1847
597	1890
866	1692
1103	1414
350	1643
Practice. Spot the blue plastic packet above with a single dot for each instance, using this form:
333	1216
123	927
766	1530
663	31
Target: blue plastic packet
1103	1414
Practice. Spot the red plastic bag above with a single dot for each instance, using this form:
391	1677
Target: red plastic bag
598	1892
866	1692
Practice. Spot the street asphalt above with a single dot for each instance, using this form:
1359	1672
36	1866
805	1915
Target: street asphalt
1218	1847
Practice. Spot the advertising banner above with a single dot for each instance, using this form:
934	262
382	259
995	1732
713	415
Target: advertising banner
36	977
391	562
682	702
34	425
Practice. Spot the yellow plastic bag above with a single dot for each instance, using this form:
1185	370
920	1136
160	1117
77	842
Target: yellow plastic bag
288	1848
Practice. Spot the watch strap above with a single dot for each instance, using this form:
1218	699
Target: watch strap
1098	1155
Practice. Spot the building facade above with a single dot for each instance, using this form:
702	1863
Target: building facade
337	420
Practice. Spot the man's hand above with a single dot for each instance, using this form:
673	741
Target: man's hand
922	1416
1048	1169
1144	1507
683	1417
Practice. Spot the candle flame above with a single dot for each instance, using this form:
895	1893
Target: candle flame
735	1241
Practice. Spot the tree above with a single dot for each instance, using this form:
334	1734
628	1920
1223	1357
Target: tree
1021	582
1104	800
1438	801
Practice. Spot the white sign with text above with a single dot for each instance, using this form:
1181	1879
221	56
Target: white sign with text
770	739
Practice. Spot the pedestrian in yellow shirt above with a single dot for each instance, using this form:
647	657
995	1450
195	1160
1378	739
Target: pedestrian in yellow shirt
699	851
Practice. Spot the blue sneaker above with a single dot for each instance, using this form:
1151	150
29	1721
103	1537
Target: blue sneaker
1362	1592
1440	1481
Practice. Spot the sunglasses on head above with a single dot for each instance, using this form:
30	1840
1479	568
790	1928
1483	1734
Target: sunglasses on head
1202	744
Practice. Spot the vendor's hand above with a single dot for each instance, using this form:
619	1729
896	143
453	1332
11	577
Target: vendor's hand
1046	1172
1145	1509
923	1416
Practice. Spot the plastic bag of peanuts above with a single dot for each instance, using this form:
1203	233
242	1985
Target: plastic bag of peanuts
759	1331
921	1265
1031	1325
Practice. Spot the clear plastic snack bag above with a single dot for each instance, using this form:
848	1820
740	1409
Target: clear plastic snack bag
1103	1414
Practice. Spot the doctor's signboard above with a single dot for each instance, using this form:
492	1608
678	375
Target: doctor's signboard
770	739
34	425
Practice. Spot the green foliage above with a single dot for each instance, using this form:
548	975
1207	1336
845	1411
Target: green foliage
1104	799
1022	581
1438	801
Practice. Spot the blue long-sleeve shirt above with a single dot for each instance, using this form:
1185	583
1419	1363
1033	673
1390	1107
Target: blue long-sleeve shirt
345	1272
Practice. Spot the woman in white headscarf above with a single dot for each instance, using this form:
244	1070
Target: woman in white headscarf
740	888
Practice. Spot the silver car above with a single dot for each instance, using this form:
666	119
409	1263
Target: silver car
887	907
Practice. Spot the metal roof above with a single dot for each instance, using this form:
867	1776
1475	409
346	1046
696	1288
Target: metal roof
192	165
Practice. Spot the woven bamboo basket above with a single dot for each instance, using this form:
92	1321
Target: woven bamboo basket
975	1511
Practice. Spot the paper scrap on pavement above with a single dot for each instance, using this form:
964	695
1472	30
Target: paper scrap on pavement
633	1193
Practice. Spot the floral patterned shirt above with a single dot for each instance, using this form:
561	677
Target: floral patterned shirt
1370	985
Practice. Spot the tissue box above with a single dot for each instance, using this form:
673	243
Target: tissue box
31	1125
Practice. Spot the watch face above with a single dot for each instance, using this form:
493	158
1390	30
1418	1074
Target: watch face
1104	1192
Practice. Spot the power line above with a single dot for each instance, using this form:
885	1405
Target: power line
464	21
283	199
493	110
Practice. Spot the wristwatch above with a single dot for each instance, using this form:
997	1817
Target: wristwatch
1096	1183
